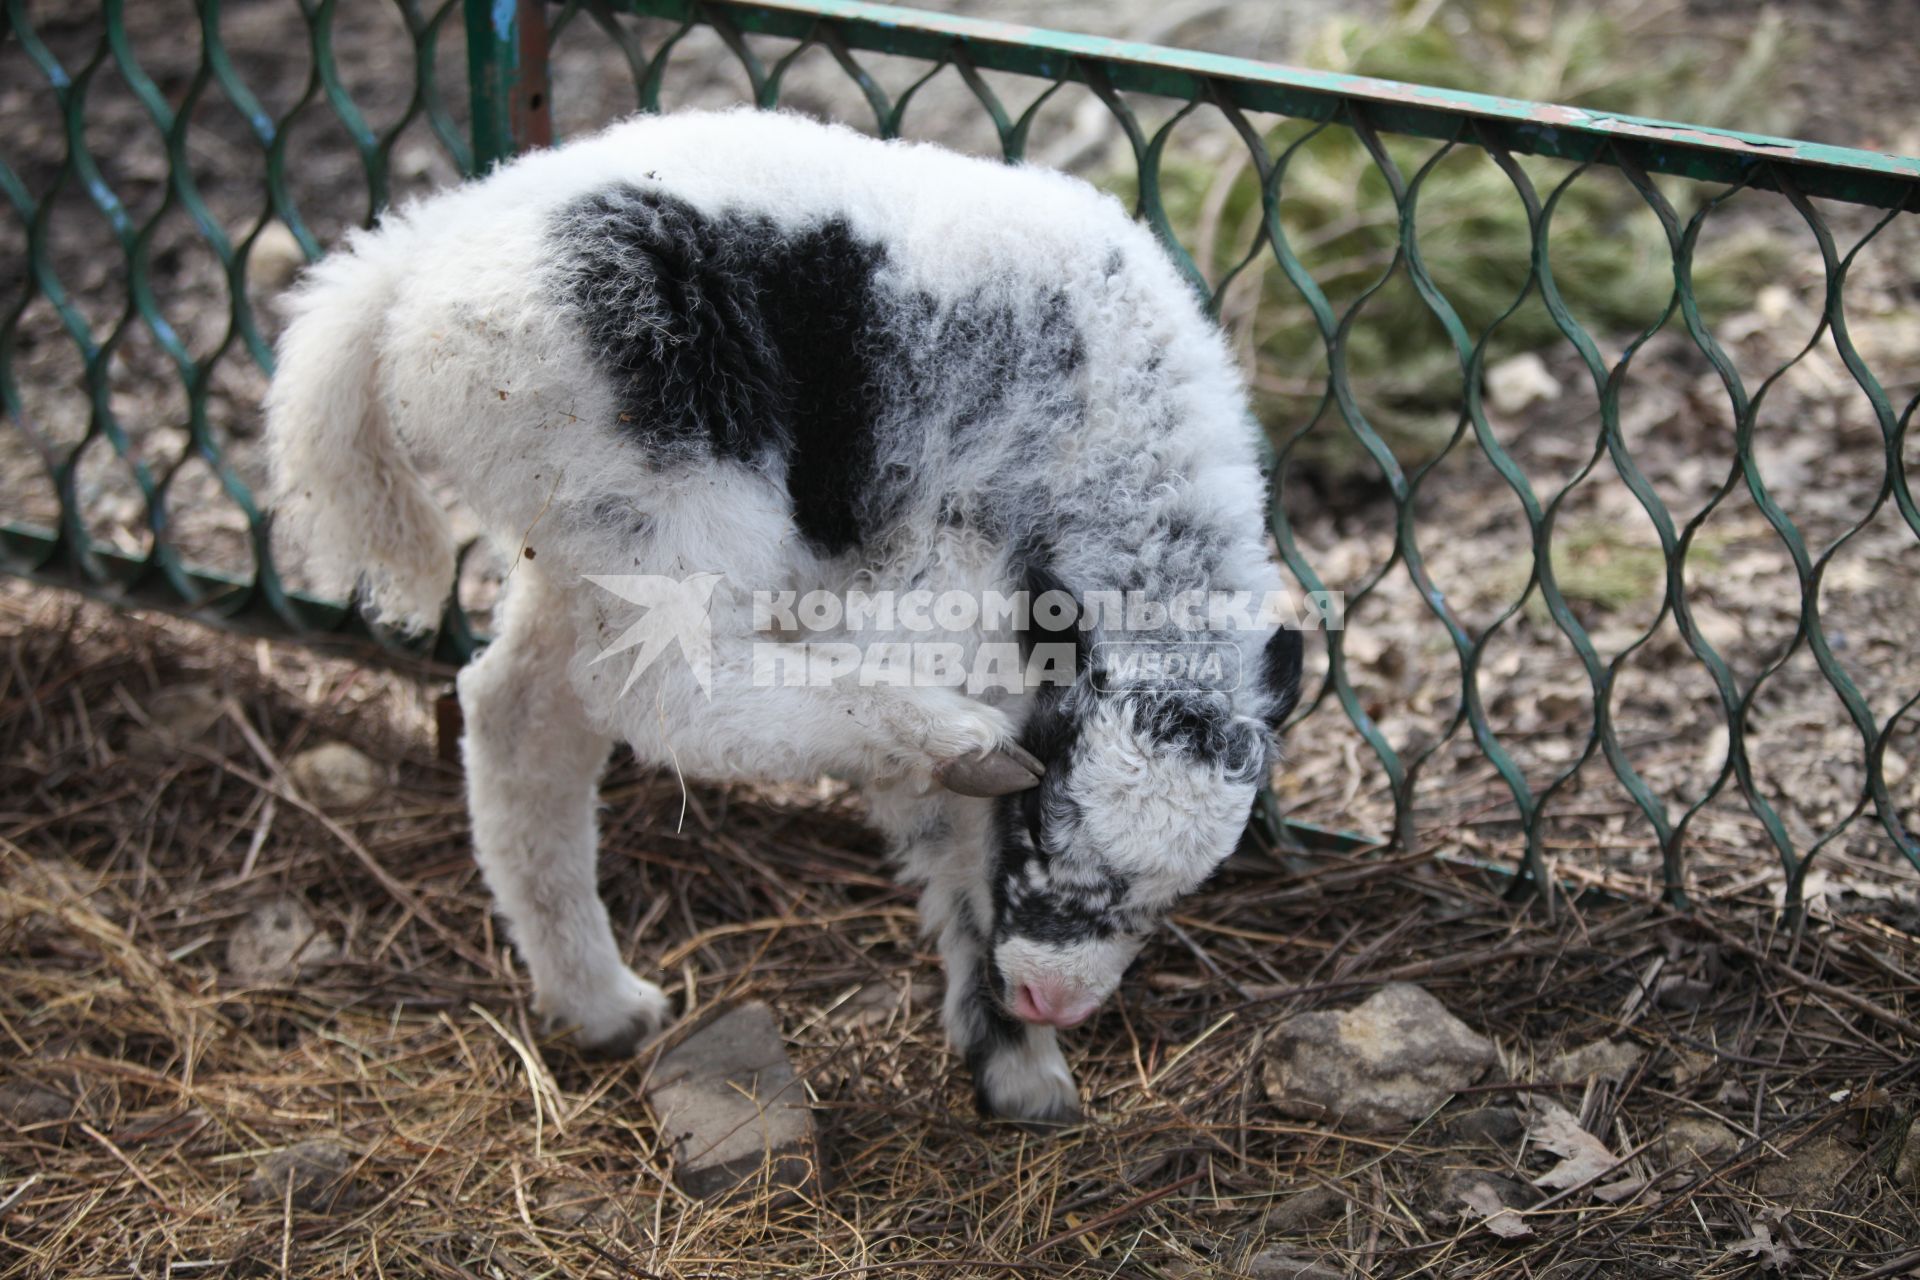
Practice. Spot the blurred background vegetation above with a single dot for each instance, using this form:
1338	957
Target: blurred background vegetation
1608	253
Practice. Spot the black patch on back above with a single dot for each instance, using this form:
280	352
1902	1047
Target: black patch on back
731	336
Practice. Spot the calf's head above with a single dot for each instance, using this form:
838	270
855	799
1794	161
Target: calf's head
1145	792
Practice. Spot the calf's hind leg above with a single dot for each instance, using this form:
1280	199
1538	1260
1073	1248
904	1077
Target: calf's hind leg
533	767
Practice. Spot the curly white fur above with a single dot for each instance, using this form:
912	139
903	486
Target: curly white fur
757	347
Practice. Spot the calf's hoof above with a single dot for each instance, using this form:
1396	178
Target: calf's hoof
1026	1082
616	1023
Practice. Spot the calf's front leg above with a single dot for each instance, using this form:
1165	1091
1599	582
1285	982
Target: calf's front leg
533	767
943	845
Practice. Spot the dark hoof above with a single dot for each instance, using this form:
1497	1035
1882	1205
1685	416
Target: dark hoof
1000	772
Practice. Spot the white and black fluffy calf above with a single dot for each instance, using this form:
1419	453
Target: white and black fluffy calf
770	355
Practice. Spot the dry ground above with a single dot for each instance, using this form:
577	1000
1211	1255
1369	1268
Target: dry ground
146	1081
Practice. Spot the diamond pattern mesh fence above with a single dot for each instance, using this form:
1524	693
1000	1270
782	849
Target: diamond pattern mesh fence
1601	426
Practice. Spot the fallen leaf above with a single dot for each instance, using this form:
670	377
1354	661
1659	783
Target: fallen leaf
1503	1220
1583	1156
1762	1246
1624	1189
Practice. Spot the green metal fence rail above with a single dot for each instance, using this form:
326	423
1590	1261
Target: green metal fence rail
507	107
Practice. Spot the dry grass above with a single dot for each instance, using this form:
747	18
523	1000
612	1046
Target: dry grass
476	1149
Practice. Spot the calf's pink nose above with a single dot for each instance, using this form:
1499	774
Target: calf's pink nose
1052	1005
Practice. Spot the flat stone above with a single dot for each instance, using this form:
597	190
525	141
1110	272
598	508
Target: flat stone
1386	1063
318	1171
334	775
729	1101
1600	1060
278	942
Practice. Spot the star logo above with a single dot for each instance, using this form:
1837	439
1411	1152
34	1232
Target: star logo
677	611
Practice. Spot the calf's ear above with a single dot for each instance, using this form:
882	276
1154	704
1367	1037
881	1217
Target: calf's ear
1280	674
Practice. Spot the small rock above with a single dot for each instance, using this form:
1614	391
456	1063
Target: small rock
1277	1264
1696	1141
729	1100
278	942
1810	1175
1601	1060
28	1104
1488	1126
1303	1211
181	714
318	1170
1906	1170
276	258
1388	1062
334	775
1519	381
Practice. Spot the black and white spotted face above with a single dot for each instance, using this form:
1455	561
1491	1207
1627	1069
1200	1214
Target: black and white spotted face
1145	794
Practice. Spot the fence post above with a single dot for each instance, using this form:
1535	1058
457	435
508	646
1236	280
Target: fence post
507	78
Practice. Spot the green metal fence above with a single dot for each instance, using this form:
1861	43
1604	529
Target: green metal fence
120	315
